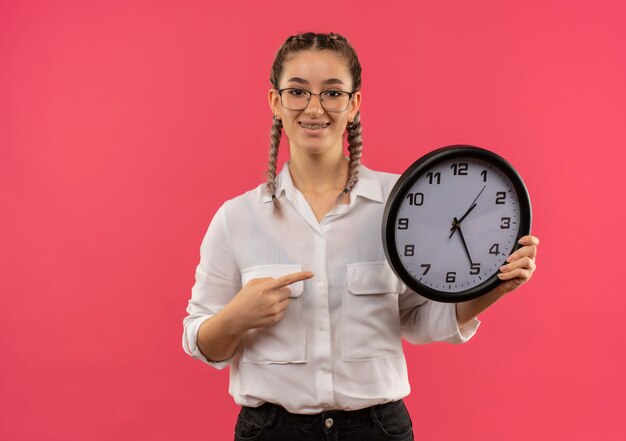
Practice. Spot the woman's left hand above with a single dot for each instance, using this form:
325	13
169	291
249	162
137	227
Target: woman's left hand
521	265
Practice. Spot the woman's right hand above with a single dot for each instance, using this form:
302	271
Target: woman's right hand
261	302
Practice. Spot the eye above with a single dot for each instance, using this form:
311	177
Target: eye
333	93
297	92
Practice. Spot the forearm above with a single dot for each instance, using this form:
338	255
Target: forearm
218	338
467	311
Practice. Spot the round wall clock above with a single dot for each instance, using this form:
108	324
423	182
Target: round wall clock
452	219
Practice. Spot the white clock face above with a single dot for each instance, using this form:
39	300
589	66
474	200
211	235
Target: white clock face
457	224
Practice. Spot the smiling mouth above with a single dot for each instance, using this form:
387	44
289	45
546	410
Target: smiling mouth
313	126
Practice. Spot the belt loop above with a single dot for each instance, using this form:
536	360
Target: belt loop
273	414
374	416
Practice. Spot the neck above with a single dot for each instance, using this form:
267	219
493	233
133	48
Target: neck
319	172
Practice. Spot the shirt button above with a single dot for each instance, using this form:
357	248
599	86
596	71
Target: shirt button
323	368
329	423
320	284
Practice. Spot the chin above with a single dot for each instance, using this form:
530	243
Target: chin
316	148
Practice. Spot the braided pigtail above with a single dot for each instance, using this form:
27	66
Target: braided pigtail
355	146
275	134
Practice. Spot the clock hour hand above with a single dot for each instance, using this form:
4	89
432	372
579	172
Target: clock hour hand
467	212
456	223
458	228
472	205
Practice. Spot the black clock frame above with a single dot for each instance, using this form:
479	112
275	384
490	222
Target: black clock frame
405	183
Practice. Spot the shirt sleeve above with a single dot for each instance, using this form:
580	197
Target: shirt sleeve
426	321
218	279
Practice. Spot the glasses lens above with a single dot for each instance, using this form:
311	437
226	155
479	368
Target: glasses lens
335	100
295	99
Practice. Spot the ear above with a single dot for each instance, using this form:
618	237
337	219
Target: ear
273	99
355	104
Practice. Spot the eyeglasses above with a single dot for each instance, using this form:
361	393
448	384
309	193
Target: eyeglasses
331	100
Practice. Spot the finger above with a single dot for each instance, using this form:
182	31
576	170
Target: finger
519	273
278	311
273	296
259	280
272	319
528	240
524	263
288	279
283	293
525	251
280	306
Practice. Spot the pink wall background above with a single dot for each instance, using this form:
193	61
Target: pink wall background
125	124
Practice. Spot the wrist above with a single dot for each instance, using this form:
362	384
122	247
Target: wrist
502	289
497	292
230	324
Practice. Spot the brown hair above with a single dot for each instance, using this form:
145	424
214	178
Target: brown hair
306	41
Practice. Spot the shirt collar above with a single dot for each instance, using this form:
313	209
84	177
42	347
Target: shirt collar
367	186
284	185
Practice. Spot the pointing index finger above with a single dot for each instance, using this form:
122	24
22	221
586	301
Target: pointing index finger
288	279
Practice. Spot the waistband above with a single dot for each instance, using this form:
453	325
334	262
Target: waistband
337	419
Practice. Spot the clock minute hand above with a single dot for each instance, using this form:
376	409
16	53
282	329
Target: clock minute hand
458	228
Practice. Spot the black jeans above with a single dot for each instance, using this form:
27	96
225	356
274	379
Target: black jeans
269	422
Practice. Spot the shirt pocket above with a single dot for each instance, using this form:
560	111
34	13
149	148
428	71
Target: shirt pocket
284	341
370	312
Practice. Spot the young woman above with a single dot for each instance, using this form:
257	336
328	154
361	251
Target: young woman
293	291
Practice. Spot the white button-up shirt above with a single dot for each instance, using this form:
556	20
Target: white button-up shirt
338	345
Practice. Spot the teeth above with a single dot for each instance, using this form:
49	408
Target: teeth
313	126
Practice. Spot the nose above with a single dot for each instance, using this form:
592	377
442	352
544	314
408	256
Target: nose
314	107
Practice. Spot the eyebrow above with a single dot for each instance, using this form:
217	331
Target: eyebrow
303	81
